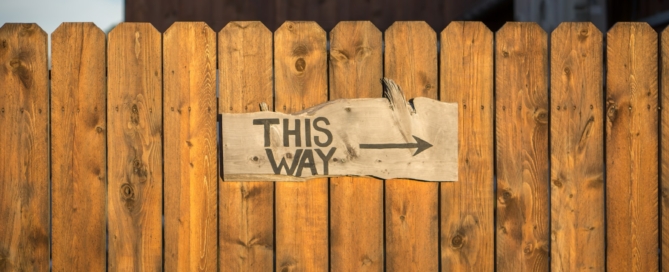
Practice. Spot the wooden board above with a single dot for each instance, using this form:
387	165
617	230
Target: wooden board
135	163
664	149
467	206
632	148
379	137
577	148
356	204
412	233
246	211
24	172
300	63
78	148
521	74
191	163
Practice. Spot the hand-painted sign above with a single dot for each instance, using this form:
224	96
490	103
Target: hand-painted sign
382	137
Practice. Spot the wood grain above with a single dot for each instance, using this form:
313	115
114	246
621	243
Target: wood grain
632	148
24	171
467	206
191	164
356	204
78	148
521	68
135	159
577	149
664	149
411	216
246	211
300	63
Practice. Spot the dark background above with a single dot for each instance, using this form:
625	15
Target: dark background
494	13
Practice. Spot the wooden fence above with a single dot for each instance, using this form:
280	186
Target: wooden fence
109	159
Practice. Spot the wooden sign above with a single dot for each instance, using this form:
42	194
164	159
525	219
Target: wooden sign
380	137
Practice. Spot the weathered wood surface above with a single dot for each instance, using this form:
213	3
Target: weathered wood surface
246	210
577	149
467	206
191	164
521	78
632	148
664	155
135	158
24	131
78	148
300	68
384	138
356	203
411	207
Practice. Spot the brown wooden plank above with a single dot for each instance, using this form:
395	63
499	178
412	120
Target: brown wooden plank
300	63
191	163
24	172
467	206
78	148
135	161
664	149
356	204
246	211
632	148
577	148
521	67
412	234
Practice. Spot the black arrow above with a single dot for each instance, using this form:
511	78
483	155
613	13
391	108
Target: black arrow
420	144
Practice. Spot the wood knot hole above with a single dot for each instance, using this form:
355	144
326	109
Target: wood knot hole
457	241
300	65
127	191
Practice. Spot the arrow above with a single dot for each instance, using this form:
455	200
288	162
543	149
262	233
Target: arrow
420	144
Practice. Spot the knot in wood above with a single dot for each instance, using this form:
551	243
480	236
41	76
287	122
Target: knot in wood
457	241
300	65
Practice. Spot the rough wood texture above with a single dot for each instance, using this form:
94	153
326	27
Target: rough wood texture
24	171
632	148
135	159
577	149
521	65
412	234
467	206
191	163
300	63
664	155
78	148
246	211
356	204
379	137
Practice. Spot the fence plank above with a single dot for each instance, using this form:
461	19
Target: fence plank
300	65
135	161
246	212
356	204
191	163
577	148
521	65
632	148
467	206
412	234
664	155
24	175
78	148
